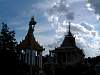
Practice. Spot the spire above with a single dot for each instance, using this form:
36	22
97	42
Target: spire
69	40
69	26
69	31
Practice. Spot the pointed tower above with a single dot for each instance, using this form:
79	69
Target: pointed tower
69	40
68	52
29	47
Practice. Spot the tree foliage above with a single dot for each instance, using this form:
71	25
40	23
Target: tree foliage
8	41
7	50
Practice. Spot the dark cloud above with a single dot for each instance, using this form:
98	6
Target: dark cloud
96	5
61	8
70	16
87	26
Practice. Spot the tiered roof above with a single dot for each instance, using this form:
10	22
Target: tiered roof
69	40
30	42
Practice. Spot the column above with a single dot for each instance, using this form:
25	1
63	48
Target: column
40	60
33	57
29	57
25	56
37	59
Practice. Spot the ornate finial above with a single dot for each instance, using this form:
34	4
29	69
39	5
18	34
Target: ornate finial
32	24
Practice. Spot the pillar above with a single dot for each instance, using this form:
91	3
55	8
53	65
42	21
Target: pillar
33	57
25	56
40	60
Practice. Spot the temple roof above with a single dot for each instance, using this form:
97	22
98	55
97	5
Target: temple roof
29	42
69	40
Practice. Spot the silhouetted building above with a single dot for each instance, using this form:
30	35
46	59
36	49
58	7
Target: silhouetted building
30	50
68	52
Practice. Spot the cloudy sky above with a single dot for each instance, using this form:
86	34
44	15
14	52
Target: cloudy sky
52	17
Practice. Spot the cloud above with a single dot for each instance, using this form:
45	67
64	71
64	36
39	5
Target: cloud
95	4
87	37
60	9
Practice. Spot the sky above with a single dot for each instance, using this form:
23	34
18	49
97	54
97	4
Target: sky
52	17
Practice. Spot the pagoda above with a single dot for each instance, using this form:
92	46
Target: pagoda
30	48
68	52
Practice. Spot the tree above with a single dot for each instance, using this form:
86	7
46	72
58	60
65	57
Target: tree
7	38
7	50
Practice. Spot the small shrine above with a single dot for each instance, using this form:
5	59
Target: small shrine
30	49
68	52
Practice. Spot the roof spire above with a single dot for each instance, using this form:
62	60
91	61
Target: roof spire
69	25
